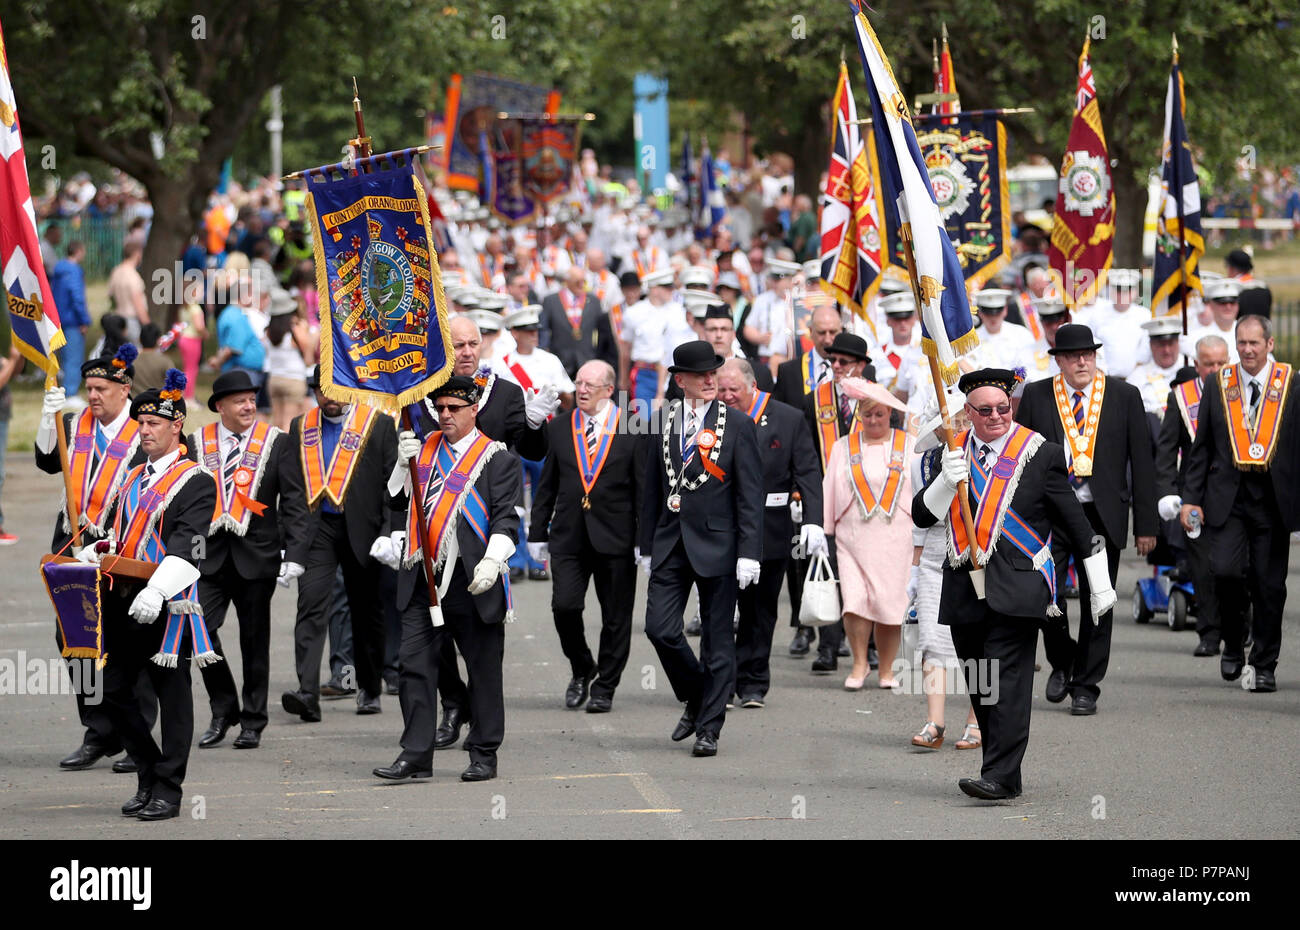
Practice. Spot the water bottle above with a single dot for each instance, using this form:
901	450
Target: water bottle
1194	520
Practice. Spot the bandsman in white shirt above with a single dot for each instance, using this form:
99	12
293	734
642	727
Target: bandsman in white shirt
1221	297
1117	323
1009	345
1154	378
766	325
642	336
900	361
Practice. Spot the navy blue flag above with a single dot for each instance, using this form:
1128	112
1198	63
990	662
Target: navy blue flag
1179	241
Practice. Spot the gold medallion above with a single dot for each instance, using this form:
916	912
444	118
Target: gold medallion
1083	466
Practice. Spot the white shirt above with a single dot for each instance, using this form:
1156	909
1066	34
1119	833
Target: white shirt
1124	341
1153	383
156	468
767	315
599	417
1195	333
460	446
995	446
643	329
676	332
542	369
1012	345
112	429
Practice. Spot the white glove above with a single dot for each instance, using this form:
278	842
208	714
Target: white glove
1102	596
288	572
954	469
147	605
1169	506
542	405
812	539
55	398
88	554
539	551
385	552
912	579
408	447
492	564
747	570
796	511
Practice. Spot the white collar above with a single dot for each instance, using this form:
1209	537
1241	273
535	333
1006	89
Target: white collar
112	429
700	407
225	435
1261	379
997	445
335	420
600	416
459	447
165	462
1086	390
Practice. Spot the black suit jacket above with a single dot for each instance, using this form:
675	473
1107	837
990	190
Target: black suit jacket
597	336
1013	587
364	510
1211	479
502	418
1123	446
789	380
809	406
257	552
49	463
501	486
789	464
719	522
610	525
1173	442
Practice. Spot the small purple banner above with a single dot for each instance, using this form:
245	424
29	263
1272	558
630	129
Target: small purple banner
74	592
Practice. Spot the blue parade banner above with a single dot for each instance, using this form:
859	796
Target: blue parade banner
386	343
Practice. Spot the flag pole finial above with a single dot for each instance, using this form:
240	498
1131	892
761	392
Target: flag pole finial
943	30
1174	36
934	54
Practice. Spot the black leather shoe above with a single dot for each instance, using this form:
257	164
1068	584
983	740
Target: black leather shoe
576	694
1206	647
705	745
306	706
391	683
1056	690
516	573
599	704
449	730
843	651
802	641
1230	666
534	574
1083	705
751	700
125	766
685	727
137	803
986	790
215	732
247	739
368	703
826	660
336	689
82	758
479	771
401	770
1265	682
158	809
694	627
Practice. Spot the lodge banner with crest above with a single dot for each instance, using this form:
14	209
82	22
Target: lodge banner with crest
549	152
386	342
967	162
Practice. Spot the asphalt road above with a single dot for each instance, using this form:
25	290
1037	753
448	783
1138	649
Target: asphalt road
1173	752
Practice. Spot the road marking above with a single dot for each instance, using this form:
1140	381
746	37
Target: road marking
655	797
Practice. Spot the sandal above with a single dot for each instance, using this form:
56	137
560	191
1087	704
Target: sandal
930	737
968	741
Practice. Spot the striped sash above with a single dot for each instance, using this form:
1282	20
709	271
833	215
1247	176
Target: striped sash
332	479
98	489
450	494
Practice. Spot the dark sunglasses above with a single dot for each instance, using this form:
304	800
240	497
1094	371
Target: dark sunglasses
450	408
1002	410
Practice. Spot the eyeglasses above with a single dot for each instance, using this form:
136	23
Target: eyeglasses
450	408
987	411
838	361
591	385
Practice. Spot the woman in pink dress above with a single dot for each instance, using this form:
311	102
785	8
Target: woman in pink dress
867	500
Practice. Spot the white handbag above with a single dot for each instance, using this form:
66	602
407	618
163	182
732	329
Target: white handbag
820	605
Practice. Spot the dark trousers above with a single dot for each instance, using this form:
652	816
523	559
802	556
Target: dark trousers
341	665
1084	661
392	620
330	550
482	644
703	684
99	728
1207	599
758	605
252	600
130	646
1008	644
615	578
1249	553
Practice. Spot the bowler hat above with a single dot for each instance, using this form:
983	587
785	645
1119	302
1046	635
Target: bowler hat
1074	337
313	377
849	344
695	358
230	382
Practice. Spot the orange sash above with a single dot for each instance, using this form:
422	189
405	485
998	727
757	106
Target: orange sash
995	500
1030	315
868	502
98	490
828	420
1253	447
590	467
1188	397
456	497
333	480
133	543
616	320
233	514
1080	448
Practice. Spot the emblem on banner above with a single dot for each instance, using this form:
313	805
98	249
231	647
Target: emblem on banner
1085	183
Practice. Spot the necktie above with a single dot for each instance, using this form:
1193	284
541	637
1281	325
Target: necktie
591	437
846	408
984	456
689	430
140	487
101	449
1254	402
824	373
1075	480
232	463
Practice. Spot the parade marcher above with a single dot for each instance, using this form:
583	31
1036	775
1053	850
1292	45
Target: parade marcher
629	293
1011	472
346	454
575	326
1099	421
248	459
584	520
719	331
165	503
1255	296
103	446
701	524
644	323
472	494
1154	378
1009	345
1173	448
1241	485
1222	296
1051	313
902	369
800	376
871	527
766	324
789	466
828	413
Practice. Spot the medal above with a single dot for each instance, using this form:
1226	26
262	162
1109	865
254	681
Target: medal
577	333
243	478
1256	451
1081	442
675	502
1083	466
586	502
706	439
